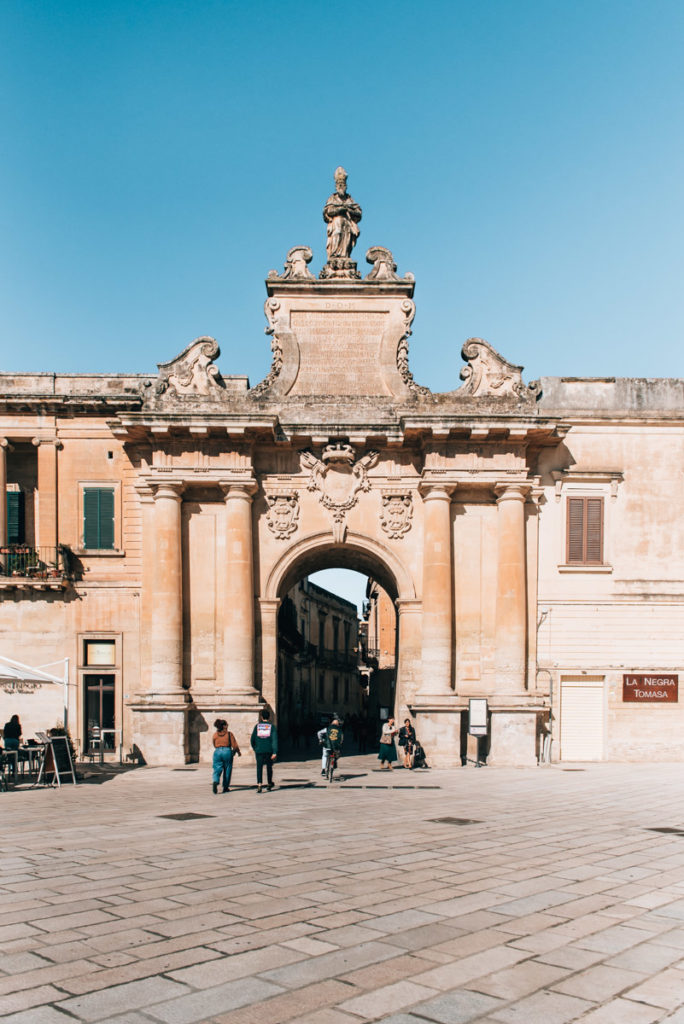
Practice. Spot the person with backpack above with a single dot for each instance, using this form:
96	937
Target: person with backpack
264	742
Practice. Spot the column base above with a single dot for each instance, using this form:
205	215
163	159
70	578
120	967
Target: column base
438	729
240	711
159	730
513	738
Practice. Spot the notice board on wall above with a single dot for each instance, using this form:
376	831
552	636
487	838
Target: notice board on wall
643	688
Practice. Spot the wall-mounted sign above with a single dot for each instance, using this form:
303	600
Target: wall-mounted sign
650	689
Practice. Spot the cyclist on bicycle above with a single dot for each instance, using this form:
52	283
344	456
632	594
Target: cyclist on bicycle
334	737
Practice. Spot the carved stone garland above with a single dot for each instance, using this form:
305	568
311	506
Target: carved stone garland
408	308
271	307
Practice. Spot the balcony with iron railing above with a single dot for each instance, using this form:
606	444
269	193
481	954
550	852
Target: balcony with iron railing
23	566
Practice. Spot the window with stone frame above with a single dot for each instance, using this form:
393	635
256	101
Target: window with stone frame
584	531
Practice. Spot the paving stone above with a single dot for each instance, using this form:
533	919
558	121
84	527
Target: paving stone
597	983
543	1008
98	1005
197	1006
623	1011
665	989
458	1007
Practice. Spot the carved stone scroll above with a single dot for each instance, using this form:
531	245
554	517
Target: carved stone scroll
193	372
396	513
382	261
488	374
282	517
296	266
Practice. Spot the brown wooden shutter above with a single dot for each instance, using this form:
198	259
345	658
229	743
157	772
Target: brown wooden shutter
575	531
585	531
594	531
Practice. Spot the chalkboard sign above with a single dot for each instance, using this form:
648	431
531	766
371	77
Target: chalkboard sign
57	760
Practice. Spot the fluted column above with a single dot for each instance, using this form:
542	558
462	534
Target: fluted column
46	532
511	594
4	445
437	591
167	616
238	630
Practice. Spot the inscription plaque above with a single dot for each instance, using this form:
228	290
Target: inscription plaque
650	689
339	352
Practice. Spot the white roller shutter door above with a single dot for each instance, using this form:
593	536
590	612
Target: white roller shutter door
582	718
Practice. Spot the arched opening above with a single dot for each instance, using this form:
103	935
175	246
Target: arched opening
328	654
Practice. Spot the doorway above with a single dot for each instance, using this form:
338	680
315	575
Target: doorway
99	719
582	718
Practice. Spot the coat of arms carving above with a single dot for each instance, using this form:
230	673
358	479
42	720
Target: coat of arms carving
396	513
338	477
282	517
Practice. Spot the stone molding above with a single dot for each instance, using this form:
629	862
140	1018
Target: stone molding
408	308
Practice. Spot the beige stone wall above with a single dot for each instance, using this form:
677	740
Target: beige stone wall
627	615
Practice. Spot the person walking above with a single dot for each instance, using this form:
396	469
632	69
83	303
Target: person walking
407	741
225	747
264	743
387	752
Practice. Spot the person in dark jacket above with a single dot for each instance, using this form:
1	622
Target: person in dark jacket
264	743
11	734
407	740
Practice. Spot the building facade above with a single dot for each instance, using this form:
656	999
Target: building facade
527	535
317	659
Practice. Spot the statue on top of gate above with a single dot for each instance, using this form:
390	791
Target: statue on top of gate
342	215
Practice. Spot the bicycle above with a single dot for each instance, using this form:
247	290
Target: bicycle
332	765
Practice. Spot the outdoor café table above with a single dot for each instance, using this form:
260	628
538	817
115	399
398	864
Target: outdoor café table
32	755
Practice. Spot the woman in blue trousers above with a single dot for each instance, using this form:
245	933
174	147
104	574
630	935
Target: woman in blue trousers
225	747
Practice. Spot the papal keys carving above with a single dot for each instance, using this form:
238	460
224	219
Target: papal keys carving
338	477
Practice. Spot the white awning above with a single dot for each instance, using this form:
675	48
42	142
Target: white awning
16	671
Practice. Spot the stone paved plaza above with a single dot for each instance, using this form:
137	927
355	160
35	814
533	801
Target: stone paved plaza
547	895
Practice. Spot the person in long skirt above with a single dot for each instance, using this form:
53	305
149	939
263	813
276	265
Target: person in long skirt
387	752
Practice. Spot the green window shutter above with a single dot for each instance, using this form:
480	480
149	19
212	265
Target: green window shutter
107	519
15	517
98	518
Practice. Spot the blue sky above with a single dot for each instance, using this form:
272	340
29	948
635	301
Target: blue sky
523	158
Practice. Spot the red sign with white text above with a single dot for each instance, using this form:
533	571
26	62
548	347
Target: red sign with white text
650	689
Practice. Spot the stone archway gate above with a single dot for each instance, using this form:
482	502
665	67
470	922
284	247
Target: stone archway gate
243	489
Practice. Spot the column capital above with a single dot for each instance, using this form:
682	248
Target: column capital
517	491
37	441
169	490
145	494
244	489
5	445
436	490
